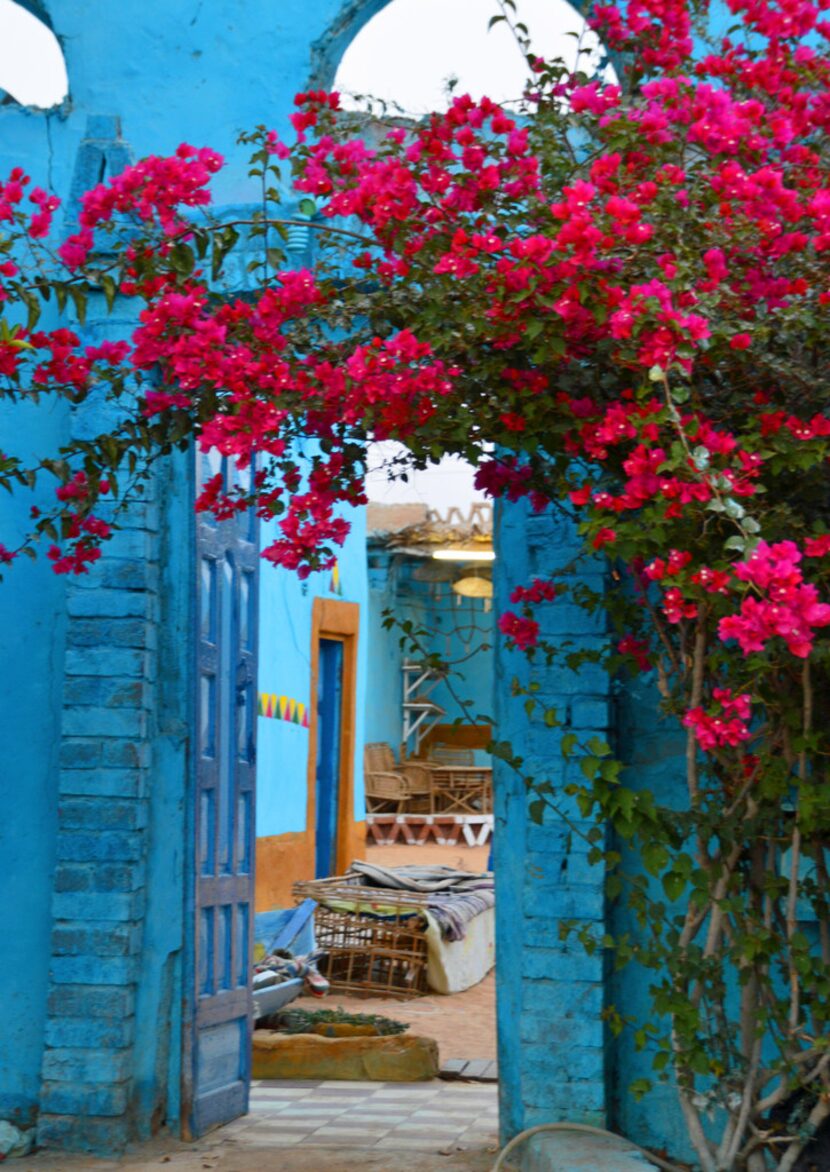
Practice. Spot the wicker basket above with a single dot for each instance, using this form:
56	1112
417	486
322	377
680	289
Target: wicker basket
365	955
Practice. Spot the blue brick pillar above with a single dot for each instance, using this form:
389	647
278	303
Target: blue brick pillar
550	993
99	884
653	747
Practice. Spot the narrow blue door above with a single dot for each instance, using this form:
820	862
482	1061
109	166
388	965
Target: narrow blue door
329	716
218	1023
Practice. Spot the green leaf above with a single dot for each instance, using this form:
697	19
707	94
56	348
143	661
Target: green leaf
655	857
110	290
182	259
536	810
590	767
79	300
599	747
674	885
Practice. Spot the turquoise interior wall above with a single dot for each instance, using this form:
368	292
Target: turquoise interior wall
458	630
384	718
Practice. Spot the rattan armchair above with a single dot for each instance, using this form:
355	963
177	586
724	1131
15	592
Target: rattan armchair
386	792
419	779
405	787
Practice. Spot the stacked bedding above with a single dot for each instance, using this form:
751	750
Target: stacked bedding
458	908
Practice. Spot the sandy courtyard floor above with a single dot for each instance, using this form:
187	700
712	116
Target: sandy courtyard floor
463	1025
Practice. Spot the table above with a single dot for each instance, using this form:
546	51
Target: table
462	789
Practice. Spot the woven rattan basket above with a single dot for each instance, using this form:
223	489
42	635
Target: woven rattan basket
369	955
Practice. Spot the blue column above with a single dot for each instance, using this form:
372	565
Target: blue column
550	993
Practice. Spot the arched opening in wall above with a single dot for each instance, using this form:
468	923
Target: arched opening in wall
32	66
415	53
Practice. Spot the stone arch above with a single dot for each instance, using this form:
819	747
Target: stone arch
328	50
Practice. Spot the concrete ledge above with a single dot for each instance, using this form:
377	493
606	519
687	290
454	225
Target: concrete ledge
386	1059
574	1151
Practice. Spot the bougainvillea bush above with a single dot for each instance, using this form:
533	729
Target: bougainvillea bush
613	299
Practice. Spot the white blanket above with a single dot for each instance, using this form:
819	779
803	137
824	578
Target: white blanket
454	965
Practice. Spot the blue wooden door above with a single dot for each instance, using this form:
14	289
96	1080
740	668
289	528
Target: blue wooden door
216	1073
329	720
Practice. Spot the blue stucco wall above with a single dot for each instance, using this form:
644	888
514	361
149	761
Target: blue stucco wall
32	634
653	749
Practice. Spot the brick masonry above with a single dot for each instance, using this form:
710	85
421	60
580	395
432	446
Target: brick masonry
550	992
98	903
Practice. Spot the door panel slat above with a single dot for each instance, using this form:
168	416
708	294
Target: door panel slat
216	1069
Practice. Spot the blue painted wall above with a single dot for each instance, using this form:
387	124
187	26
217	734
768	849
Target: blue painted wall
285	670
653	748
32	634
93	805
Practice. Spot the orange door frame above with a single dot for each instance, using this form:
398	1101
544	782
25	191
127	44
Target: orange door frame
331	619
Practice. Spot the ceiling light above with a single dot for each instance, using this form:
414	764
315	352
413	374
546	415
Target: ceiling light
473	587
464	555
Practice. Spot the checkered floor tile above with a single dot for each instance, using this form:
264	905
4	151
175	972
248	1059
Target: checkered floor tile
429	1117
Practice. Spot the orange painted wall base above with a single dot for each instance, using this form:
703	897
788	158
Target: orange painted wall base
356	841
283	859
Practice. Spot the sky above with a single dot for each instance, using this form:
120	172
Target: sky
32	68
449	482
406	54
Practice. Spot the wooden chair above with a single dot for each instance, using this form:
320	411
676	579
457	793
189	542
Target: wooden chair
407	786
458	785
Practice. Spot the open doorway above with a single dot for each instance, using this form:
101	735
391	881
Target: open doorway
426	731
329	709
431	648
335	630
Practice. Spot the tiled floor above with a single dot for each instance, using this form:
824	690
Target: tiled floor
425	1117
